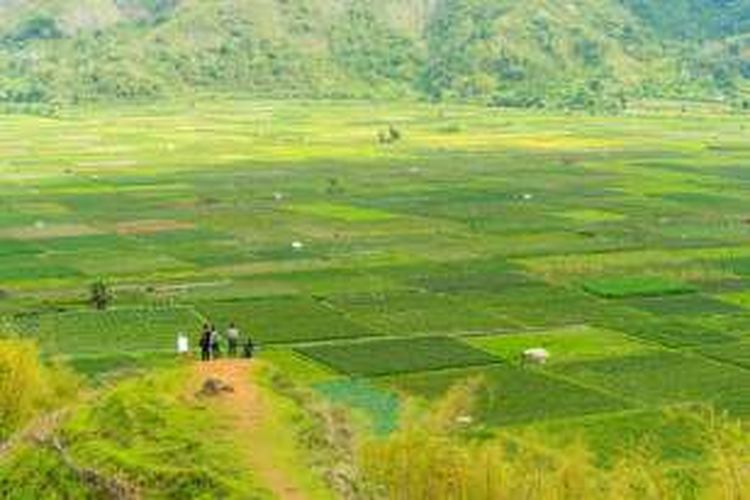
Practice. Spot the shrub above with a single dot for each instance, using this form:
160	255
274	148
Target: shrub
440	454
27	386
100	295
38	27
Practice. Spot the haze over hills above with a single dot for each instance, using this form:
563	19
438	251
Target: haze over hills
576	54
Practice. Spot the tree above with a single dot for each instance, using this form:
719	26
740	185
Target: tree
100	295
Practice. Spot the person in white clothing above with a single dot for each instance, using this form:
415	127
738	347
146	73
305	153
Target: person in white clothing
233	340
183	344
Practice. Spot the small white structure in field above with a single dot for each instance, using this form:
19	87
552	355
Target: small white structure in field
297	245
278	196
465	420
537	356
528	196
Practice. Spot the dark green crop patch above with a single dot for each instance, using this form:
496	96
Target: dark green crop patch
646	286
391	356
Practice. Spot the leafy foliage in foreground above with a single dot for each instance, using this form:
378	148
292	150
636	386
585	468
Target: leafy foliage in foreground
441	454
147	434
27	386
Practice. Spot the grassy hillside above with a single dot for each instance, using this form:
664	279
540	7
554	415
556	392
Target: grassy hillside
581	54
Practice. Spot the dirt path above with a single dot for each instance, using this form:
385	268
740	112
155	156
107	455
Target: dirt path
245	407
38	430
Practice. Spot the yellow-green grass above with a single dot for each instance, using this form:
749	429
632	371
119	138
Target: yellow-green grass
346	213
296	367
566	344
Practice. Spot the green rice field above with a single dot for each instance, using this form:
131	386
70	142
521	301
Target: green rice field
371	271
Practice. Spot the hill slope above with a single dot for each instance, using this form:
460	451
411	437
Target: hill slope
581	53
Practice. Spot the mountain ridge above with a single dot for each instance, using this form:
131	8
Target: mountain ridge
593	54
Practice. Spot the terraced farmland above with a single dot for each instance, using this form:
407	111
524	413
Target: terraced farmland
368	271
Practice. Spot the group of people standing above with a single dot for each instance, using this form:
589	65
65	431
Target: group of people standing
211	342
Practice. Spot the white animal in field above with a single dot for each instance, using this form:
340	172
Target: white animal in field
278	196
536	355
297	245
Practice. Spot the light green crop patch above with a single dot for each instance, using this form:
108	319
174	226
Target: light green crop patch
565	344
346	213
300	369
593	215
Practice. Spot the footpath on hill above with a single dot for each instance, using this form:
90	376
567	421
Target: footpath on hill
270	451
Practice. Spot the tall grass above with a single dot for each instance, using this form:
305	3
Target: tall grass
27	386
441	454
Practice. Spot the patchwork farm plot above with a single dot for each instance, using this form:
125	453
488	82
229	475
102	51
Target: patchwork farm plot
372	272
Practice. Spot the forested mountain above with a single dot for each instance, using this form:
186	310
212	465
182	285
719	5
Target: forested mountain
577	53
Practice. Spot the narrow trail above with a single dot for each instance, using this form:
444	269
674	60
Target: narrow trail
246	408
37	431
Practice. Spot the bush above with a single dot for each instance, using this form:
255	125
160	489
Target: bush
100	295
27	386
38	27
442	454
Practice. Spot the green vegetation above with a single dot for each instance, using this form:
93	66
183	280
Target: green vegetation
615	288
513	395
145	433
378	276
597	55
666	378
100	295
384	357
128	329
566	344
439	455
28	388
285	319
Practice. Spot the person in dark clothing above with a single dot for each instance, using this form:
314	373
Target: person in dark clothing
205	343
249	348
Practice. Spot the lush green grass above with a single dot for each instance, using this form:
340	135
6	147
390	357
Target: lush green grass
686	305
564	345
284	320
676	435
512	395
145	432
384	357
119	330
423	313
480	225
667	378
296	367
737	353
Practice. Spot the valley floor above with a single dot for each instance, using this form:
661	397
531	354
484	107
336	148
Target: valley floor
379	253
